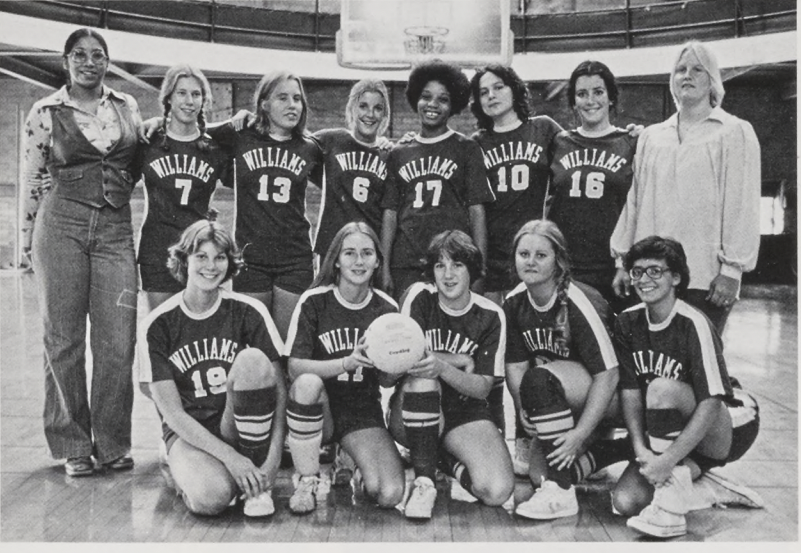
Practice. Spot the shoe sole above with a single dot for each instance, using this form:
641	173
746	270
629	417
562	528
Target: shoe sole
79	473
550	516
756	500
418	516
657	531
258	515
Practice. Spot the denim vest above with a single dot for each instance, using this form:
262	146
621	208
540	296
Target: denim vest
84	174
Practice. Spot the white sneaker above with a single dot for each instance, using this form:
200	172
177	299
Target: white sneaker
549	502
458	493
657	522
675	494
343	469
260	506
323	486
522	456
304	500
727	493
422	499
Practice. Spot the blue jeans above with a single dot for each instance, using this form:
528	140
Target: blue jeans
85	265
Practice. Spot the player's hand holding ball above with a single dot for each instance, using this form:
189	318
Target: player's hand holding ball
394	343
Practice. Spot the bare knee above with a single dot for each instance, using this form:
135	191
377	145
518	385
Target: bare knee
208	499
306	388
632	493
493	491
386	494
252	369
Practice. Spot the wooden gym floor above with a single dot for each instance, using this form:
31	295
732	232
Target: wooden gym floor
40	504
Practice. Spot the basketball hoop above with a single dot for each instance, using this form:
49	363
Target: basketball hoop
423	40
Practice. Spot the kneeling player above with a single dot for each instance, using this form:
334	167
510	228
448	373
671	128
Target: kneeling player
443	398
683	414
211	360
335	389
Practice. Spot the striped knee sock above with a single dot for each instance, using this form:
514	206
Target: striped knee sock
305	424
420	413
253	418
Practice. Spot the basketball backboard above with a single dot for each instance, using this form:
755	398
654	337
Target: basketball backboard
395	34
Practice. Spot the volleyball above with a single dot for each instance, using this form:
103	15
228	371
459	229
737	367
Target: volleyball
395	342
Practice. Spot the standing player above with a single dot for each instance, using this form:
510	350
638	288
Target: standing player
683	414
335	389
272	163
440	411
560	366
354	169
517	158
181	167
437	181
210	358
592	172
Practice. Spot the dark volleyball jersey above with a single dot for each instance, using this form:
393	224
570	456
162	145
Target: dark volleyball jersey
591	179
326	326
531	331
196	350
352	177
684	347
478	330
270	187
431	183
179	183
518	164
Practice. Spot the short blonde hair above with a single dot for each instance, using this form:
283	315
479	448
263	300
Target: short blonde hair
367	85
709	62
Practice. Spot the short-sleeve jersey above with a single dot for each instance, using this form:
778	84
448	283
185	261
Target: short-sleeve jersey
179	183
431	183
478	330
326	326
591	179
518	164
196	350
352	178
270	188
531	329
684	347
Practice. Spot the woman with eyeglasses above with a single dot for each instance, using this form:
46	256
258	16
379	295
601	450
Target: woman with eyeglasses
683	412
83	138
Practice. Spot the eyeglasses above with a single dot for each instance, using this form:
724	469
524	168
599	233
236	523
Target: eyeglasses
81	56
654	271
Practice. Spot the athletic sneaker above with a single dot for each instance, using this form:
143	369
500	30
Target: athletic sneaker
728	493
458	493
657	522
664	517
550	501
260	506
304	500
522	456
422	499
344	468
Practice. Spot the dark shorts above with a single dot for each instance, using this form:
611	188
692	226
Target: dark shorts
257	279
352	412
459	412
499	278
157	278
745	422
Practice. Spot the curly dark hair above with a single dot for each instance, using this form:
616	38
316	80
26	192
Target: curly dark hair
671	251
520	94
587	69
451	77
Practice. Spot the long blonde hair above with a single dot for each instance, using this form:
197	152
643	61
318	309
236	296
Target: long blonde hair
709	62
548	230
266	87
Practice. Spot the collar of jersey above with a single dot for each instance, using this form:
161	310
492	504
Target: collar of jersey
609	131
507	128
206	314
179	138
460	312
656	327
348	305
447	134
542	308
373	144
